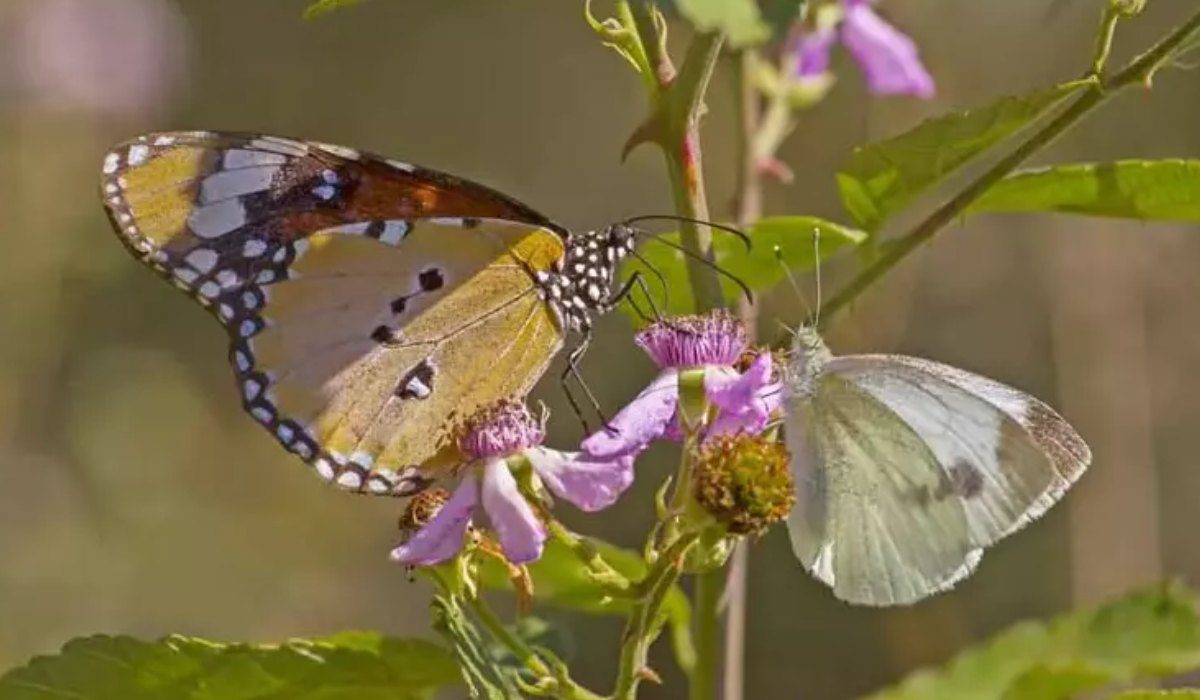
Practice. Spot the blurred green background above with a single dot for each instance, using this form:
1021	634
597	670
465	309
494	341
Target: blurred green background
135	497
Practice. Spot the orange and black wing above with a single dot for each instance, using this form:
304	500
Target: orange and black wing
369	303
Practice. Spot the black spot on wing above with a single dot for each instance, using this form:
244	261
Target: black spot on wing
431	280
417	383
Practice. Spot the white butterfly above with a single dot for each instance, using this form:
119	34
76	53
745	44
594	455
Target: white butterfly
906	469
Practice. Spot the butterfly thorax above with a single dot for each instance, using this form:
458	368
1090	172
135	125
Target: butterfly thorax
809	355
582	282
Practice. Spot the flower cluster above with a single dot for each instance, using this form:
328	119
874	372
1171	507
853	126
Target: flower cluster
495	440
705	349
704	363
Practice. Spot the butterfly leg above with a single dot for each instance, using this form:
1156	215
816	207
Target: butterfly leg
572	370
625	293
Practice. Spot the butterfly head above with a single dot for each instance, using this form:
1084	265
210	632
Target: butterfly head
809	355
584	282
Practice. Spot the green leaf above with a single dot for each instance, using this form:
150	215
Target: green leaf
884	177
1177	694
345	666
782	15
1149	634
561	580
322	7
739	20
759	267
1152	190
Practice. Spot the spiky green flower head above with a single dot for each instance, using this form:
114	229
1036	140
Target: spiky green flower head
743	482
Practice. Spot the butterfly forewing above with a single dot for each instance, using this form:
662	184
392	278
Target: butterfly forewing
360	294
1006	455
863	523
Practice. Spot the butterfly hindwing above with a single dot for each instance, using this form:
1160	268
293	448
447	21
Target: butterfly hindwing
370	351
310	254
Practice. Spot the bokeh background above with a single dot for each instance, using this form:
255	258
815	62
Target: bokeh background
135	497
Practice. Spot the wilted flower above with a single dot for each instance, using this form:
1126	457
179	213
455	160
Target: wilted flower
494	438
888	58
703	347
744	482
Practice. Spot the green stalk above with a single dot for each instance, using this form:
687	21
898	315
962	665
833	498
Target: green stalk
642	629
706	603
1140	71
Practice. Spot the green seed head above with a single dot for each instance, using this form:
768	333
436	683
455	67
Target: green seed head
743	482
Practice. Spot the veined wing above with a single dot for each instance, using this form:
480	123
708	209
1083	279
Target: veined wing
999	455
863	523
362	358
1006	454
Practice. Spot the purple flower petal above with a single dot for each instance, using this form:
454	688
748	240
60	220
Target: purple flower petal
590	484
521	533
442	537
641	421
738	393
753	419
887	57
813	52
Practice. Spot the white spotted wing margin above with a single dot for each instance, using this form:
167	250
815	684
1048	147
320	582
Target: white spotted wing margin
907	469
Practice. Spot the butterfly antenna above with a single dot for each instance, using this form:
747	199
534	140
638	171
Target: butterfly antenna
662	280
745	238
787	271
702	260
817	264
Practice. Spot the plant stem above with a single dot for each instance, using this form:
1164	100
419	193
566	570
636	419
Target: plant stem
1140	71
706	603
641	629
1104	38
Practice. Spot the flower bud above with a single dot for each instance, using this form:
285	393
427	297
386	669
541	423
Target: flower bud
1129	8
743	482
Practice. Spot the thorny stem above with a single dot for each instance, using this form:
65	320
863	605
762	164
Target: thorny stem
642	627
677	104
1098	90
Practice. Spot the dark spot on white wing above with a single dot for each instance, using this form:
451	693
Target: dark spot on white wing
431	280
470	222
398	304
963	479
417	383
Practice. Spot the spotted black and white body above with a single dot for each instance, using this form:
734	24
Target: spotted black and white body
583	283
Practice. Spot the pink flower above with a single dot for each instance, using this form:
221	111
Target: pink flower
490	439
888	58
712	344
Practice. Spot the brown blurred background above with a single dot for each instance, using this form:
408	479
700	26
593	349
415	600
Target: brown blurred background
136	498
